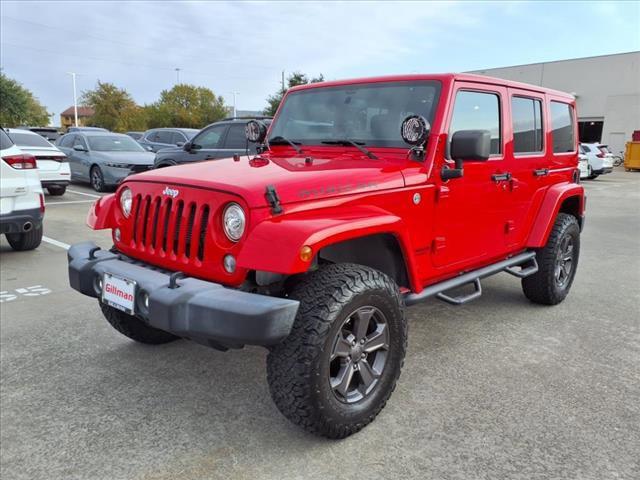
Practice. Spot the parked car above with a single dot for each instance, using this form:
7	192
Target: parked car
50	133
104	159
86	129
369	195
21	198
218	140
53	167
599	158
159	138
583	166
135	135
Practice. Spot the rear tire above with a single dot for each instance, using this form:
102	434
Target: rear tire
134	328
557	262
27	240
339	365
57	190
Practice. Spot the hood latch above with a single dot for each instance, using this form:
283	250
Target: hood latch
272	198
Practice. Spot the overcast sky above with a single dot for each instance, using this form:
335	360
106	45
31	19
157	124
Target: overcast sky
243	47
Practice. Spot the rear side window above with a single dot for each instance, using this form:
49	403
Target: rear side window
477	111
163	136
562	127
177	137
526	117
5	141
236	137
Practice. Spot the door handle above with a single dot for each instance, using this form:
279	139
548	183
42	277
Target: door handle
501	177
541	172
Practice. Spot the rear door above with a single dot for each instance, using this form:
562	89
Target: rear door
528	161
163	139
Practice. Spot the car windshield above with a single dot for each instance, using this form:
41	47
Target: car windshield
29	140
114	143
369	113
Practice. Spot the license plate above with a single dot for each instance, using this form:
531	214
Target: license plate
119	292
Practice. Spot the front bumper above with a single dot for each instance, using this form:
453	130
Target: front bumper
202	311
14	222
115	175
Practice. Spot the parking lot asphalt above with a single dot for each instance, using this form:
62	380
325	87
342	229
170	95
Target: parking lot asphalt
499	388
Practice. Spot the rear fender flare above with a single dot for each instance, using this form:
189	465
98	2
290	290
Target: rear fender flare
551	206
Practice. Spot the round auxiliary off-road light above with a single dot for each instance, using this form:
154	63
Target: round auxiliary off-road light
255	131
126	200
414	130
233	221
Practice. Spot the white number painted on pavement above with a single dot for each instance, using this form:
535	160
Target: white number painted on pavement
33	291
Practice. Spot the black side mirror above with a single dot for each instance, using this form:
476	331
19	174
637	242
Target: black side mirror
186	147
467	145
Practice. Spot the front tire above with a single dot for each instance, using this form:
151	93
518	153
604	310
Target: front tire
26	241
134	328
97	179
557	262
338	367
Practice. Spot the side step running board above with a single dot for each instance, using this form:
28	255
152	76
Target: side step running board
526	261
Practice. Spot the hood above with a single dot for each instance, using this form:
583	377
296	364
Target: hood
133	158
294	179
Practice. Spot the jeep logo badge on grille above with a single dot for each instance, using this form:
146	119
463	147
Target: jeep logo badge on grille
170	192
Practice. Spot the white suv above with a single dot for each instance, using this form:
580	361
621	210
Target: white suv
53	166
599	157
21	198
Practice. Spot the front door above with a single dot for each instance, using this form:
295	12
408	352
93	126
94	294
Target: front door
469	213
206	145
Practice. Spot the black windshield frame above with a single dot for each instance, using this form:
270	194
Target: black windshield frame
348	111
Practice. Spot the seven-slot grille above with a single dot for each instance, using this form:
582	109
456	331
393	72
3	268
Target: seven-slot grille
170	227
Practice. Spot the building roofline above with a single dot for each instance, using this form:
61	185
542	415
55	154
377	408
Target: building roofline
553	61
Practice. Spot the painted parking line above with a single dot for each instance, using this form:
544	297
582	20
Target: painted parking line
69	202
83	193
55	242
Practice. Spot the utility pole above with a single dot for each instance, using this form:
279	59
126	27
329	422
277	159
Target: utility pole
75	98
234	103
177	76
282	81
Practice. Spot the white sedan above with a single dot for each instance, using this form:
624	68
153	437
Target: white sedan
53	166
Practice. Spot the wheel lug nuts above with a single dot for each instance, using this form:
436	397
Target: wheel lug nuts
353	344
355	367
362	341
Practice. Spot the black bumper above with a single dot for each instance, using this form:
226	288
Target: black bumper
55	183
602	171
202	311
14	222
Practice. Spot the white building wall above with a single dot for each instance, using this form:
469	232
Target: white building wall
606	87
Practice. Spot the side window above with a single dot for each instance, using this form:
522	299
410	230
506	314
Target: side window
477	111
163	136
151	136
584	149
526	117
210	138
236	137
67	140
78	140
562	127
177	137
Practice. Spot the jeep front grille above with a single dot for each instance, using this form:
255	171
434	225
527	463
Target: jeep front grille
170	227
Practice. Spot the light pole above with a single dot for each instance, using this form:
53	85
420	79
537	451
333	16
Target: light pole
234	103
177	76
75	98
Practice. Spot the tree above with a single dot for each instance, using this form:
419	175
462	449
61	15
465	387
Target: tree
186	106
295	79
114	108
18	106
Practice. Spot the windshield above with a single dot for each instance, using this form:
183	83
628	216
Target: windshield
29	140
370	114
114	143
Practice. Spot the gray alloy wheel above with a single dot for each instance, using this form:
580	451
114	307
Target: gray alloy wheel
97	179
564	261
359	354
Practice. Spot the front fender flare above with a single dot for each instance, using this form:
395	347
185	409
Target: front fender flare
274	244
549	209
101	214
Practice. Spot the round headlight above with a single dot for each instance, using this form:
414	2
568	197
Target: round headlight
233	221
126	199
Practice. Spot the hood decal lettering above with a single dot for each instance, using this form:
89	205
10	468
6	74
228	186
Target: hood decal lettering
335	189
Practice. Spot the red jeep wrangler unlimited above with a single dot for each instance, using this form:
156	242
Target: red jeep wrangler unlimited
366	195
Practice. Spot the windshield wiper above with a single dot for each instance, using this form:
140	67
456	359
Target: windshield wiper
280	140
346	141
